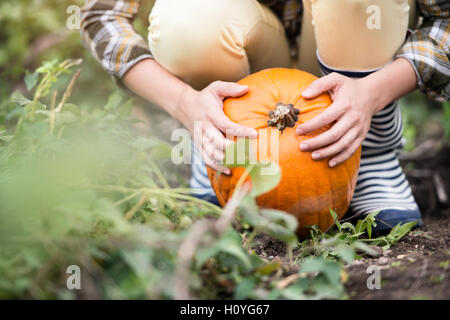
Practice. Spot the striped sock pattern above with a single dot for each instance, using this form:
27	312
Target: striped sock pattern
381	183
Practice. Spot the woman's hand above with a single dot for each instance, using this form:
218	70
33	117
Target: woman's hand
354	104
207	123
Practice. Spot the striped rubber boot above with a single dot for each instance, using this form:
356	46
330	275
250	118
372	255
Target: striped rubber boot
381	184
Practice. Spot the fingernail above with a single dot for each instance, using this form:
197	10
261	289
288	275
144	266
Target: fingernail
303	146
307	92
227	171
299	131
315	155
332	164
253	134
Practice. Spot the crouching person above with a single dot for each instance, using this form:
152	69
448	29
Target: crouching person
198	49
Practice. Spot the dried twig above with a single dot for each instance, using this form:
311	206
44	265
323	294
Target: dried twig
68	91
136	207
52	110
420	173
440	188
425	150
287	281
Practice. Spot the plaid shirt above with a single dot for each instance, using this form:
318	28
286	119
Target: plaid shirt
108	33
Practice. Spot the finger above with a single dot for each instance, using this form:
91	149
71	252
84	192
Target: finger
337	131
213	153
228	89
212	134
213	164
229	128
322	85
332	113
346	154
337	147
216	138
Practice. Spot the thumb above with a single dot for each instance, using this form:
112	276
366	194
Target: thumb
228	89
322	85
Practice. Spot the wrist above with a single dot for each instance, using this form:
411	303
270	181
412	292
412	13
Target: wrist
391	82
375	93
184	106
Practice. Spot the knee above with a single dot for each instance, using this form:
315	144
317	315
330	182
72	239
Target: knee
199	41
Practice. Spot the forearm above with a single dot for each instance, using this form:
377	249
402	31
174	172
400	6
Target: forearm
156	85
428	49
391	82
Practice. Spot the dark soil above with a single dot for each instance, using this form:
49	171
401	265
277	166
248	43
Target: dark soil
418	267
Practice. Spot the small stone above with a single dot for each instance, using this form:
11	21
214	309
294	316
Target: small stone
383	260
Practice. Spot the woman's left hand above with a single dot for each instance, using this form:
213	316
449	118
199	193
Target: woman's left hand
354	104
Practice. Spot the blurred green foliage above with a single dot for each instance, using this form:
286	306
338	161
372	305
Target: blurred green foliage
422	119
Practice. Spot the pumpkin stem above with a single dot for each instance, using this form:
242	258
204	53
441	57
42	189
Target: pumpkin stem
284	116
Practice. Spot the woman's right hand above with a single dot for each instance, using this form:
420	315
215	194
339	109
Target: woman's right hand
208	124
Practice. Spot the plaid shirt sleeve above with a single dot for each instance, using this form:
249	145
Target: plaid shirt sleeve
427	49
108	32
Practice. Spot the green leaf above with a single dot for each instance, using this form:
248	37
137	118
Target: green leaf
139	261
331	269
64	117
269	268
312	264
263	182
294	292
335	219
114	101
265	176
245	288
348	226
69	107
229	243
346	253
18	97
275	223
361	246
35	106
31	80
48	66
400	230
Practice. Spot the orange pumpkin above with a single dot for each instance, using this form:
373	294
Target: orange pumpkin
308	189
